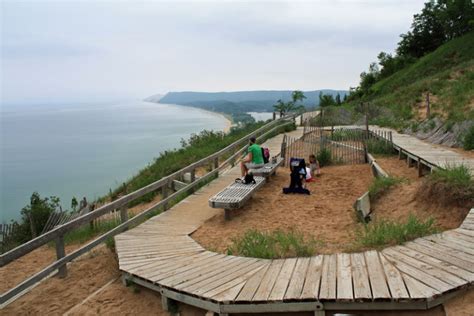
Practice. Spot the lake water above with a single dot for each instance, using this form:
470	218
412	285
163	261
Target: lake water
83	150
261	116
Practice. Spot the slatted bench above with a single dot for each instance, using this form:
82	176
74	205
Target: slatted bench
268	169
235	195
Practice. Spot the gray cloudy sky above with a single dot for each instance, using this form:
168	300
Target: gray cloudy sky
99	50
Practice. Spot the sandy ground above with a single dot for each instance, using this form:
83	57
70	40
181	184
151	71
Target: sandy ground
397	203
326	214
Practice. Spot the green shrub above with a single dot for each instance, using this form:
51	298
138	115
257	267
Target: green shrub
468	141
380	185
324	157
379	147
386	232
272	245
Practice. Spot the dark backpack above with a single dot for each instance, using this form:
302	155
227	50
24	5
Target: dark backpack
266	155
248	179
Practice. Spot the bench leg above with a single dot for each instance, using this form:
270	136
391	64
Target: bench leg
227	214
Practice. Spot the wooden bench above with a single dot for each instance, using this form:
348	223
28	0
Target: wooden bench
235	195
268	169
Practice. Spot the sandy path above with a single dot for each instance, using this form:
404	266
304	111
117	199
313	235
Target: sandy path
326	214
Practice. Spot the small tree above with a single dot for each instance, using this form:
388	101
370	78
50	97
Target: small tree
38	212
74	203
326	100
280	107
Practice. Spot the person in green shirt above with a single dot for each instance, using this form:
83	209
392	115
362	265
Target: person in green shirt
254	158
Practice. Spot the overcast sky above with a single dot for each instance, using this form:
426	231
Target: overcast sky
99	50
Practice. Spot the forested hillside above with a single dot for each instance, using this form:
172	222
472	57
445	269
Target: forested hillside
433	64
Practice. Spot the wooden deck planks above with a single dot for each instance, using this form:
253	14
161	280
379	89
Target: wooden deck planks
416	273
360	277
376	276
446	266
297	281
251	286
283	280
328	278
344	277
441	254
313	278
395	281
266	286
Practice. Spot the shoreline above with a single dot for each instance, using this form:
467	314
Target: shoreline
226	117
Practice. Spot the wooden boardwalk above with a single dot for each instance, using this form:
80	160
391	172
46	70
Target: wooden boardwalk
161	255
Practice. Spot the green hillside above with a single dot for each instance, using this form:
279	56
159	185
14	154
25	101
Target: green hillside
447	74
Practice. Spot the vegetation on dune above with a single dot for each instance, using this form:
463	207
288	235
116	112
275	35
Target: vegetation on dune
453	185
435	57
380	185
387	232
273	245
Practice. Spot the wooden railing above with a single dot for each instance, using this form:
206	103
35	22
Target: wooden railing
235	150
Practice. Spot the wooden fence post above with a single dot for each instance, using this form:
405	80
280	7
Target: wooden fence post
193	175
123	214
274	115
60	253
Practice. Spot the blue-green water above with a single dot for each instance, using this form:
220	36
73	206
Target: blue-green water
83	150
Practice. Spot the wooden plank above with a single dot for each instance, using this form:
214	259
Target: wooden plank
209	282
419	275
469	240
360	277
458	245
344	277
162	266
283	280
198	271
215	282
432	270
464	274
251	286
187	266
232	281
328	278
313	278
265	288
295	287
394	280
230	294
417	289
437	245
376	275
441	254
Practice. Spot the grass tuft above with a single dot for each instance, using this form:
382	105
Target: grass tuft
380	185
273	245
387	232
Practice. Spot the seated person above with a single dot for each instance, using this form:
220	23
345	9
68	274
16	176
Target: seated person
314	166
254	158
